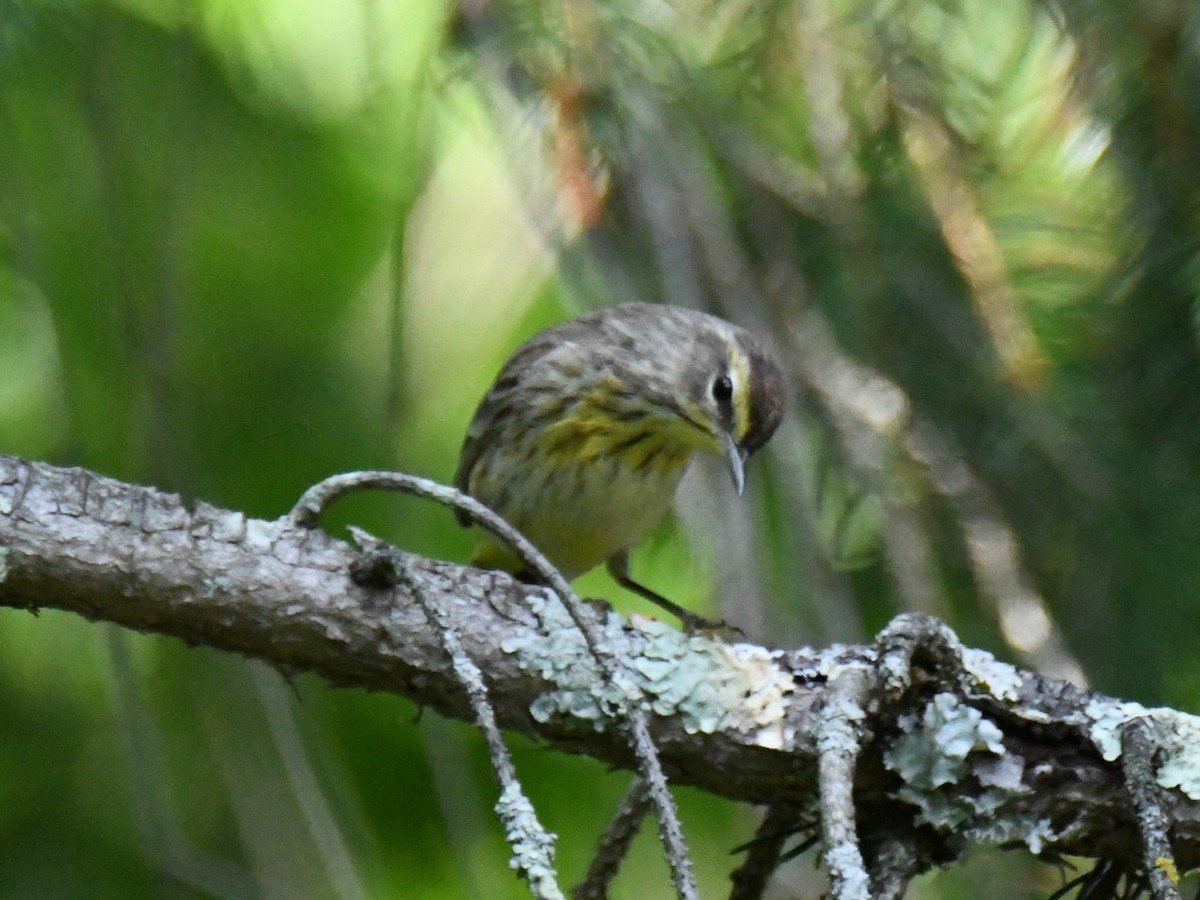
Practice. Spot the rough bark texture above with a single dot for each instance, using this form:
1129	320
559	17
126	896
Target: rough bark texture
954	746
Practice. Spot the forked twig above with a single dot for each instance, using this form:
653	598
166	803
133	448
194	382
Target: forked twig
318	498
533	845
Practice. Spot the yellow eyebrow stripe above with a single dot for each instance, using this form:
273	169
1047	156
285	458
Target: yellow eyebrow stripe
739	374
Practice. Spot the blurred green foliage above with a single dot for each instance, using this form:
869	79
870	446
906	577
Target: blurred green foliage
248	243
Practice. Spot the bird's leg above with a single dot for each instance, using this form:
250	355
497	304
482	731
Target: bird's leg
618	567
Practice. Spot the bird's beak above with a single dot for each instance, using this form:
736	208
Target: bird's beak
736	457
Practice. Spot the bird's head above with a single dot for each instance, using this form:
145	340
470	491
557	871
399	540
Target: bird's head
716	380
738	393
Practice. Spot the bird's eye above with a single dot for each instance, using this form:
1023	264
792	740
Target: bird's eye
722	388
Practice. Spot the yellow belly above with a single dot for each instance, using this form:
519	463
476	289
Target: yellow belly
582	515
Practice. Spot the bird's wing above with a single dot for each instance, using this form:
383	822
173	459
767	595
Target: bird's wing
496	406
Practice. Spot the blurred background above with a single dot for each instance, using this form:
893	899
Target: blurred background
245	244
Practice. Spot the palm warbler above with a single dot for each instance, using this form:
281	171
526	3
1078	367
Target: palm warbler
583	438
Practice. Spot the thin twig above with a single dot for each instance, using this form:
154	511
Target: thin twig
839	741
615	843
893	866
1137	765
670	831
751	877
532	844
318	498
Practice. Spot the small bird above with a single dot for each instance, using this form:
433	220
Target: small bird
581	441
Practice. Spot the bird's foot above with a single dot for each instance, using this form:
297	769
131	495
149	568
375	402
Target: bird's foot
599	604
713	628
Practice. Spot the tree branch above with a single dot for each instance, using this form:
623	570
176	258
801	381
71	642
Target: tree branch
956	747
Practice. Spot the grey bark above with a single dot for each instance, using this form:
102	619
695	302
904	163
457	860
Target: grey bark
953	746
